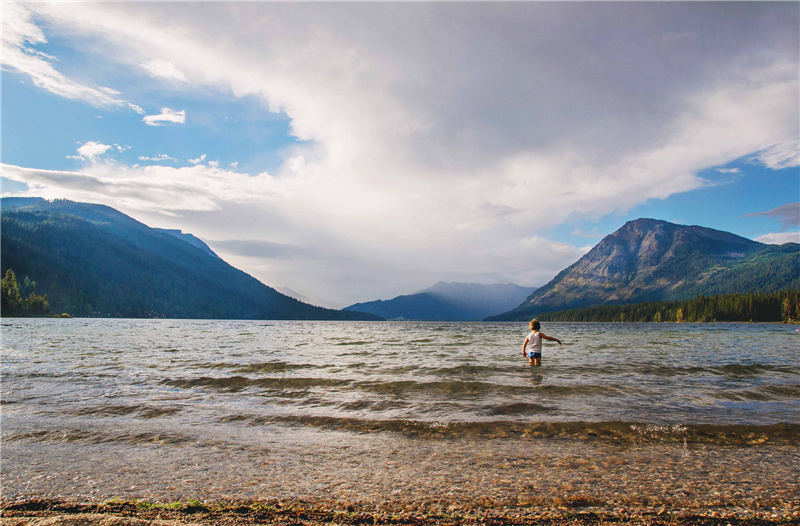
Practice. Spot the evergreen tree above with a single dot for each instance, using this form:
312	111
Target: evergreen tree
11	299
14	305
36	305
758	307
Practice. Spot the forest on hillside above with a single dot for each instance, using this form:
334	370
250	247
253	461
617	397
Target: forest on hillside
21	301
781	306
93	261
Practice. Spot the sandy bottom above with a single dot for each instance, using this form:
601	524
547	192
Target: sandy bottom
337	477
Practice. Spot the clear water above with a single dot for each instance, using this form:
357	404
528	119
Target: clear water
161	408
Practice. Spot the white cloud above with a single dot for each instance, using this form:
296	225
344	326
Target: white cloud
779	238
158	158
163	69
785	154
91	151
144	188
439	142
728	170
19	35
167	115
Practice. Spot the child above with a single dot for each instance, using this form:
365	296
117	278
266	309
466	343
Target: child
535	340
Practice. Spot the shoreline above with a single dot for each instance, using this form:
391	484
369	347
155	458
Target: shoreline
559	512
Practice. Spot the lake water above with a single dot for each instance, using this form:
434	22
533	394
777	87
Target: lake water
401	414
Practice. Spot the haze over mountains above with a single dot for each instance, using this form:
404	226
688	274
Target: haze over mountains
92	260
652	260
449	302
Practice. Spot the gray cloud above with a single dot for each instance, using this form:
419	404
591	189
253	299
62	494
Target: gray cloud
788	215
442	136
260	249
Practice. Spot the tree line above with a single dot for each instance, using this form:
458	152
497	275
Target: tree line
21	301
781	306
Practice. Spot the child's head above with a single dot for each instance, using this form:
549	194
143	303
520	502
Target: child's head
534	324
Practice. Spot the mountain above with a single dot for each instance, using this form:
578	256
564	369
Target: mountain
448	302
652	260
189	238
286	291
92	260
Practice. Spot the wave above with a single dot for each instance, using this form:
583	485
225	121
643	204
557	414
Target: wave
621	432
760	394
662	370
238	383
146	412
99	437
454	390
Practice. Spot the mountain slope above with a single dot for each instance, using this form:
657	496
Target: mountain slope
448	302
189	238
652	260
92	260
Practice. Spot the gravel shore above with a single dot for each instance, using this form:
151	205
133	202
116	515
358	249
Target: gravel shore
299	513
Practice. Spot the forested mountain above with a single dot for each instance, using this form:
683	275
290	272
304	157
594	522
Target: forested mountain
92	260
782	306
448	301
650	260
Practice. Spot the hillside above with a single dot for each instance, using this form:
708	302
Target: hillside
448	302
651	260
92	260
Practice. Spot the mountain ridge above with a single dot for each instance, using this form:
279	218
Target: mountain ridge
92	260
448	301
654	260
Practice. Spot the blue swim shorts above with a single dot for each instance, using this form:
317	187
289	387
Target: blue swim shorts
536	355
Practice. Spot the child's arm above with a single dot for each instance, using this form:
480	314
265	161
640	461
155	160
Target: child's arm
550	338
524	345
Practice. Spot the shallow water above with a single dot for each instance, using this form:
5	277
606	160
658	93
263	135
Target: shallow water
410	412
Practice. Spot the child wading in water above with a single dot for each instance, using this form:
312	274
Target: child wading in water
534	339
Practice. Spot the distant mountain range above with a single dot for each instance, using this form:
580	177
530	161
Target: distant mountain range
448	302
92	260
652	260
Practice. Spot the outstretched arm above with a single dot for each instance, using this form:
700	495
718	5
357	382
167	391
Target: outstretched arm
550	338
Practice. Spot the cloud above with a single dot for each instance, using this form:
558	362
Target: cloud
261	249
144	188
157	158
591	235
788	215
91	151
439	137
167	115
779	156
729	170
19	35
780	238
163	69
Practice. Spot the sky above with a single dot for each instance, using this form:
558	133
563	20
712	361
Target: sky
359	151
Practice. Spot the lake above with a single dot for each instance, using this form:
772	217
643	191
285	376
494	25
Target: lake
404	415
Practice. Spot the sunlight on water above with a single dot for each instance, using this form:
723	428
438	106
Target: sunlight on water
78	394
